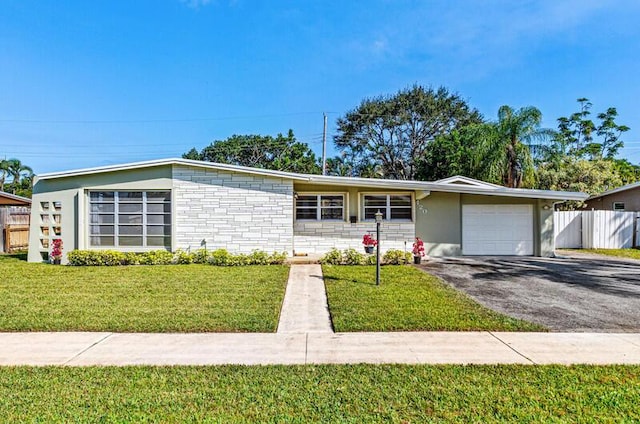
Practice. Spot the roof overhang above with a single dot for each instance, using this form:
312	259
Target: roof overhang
616	190
456	184
15	200
172	161
488	190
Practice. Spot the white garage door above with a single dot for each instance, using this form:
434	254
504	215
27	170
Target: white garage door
497	230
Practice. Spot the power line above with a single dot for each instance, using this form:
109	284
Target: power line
146	121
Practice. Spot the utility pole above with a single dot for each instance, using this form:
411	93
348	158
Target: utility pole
324	145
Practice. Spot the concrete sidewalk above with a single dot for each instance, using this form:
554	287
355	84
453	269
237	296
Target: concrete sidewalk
79	349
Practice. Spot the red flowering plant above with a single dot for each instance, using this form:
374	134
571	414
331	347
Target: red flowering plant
367	240
418	247
56	250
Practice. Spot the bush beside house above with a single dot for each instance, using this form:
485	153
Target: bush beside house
219	257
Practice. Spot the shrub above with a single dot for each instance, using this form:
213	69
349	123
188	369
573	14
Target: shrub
352	257
332	257
182	258
397	257
96	258
200	256
277	258
259	257
131	258
156	257
369	260
220	257
239	260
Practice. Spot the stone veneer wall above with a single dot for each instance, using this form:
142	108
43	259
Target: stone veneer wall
320	237
237	212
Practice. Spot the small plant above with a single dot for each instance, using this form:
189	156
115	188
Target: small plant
200	256
396	257
369	241
259	257
418	248
332	257
182	258
220	257
56	250
277	258
155	257
353	257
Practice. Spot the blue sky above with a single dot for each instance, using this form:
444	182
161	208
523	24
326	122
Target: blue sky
89	83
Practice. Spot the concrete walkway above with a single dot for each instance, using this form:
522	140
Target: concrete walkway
305	308
75	349
305	336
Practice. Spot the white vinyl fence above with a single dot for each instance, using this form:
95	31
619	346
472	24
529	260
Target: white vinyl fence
596	229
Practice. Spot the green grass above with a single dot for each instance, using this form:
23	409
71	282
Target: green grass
302	394
172	298
621	253
407	300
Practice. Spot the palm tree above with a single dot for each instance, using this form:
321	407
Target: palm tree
4	171
15	169
505	148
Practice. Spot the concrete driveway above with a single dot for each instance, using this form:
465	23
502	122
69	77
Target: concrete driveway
572	293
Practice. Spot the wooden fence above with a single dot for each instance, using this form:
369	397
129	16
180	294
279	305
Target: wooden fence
596	229
14	228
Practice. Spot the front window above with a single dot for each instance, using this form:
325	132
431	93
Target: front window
130	219
618	206
320	207
394	207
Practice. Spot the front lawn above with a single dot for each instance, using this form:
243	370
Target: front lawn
170	298
407	300
338	393
621	253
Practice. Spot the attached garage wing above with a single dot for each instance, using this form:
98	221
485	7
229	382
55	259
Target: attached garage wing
497	230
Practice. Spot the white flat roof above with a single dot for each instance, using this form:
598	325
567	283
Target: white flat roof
455	184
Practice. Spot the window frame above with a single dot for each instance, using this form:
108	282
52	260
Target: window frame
318	207
613	206
388	207
167	212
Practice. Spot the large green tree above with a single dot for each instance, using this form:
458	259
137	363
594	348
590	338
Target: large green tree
582	155
14	172
449	155
505	149
588	176
580	137
390	134
282	153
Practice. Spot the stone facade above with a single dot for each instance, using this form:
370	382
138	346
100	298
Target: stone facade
237	212
321	236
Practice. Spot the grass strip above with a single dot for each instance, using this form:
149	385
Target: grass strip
620	253
406	300
331	393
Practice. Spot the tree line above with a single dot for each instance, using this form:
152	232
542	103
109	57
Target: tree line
427	134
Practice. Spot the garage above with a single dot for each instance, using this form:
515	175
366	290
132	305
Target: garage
497	230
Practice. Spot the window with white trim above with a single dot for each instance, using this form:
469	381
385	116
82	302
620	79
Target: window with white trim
618	206
320	207
394	207
130	219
